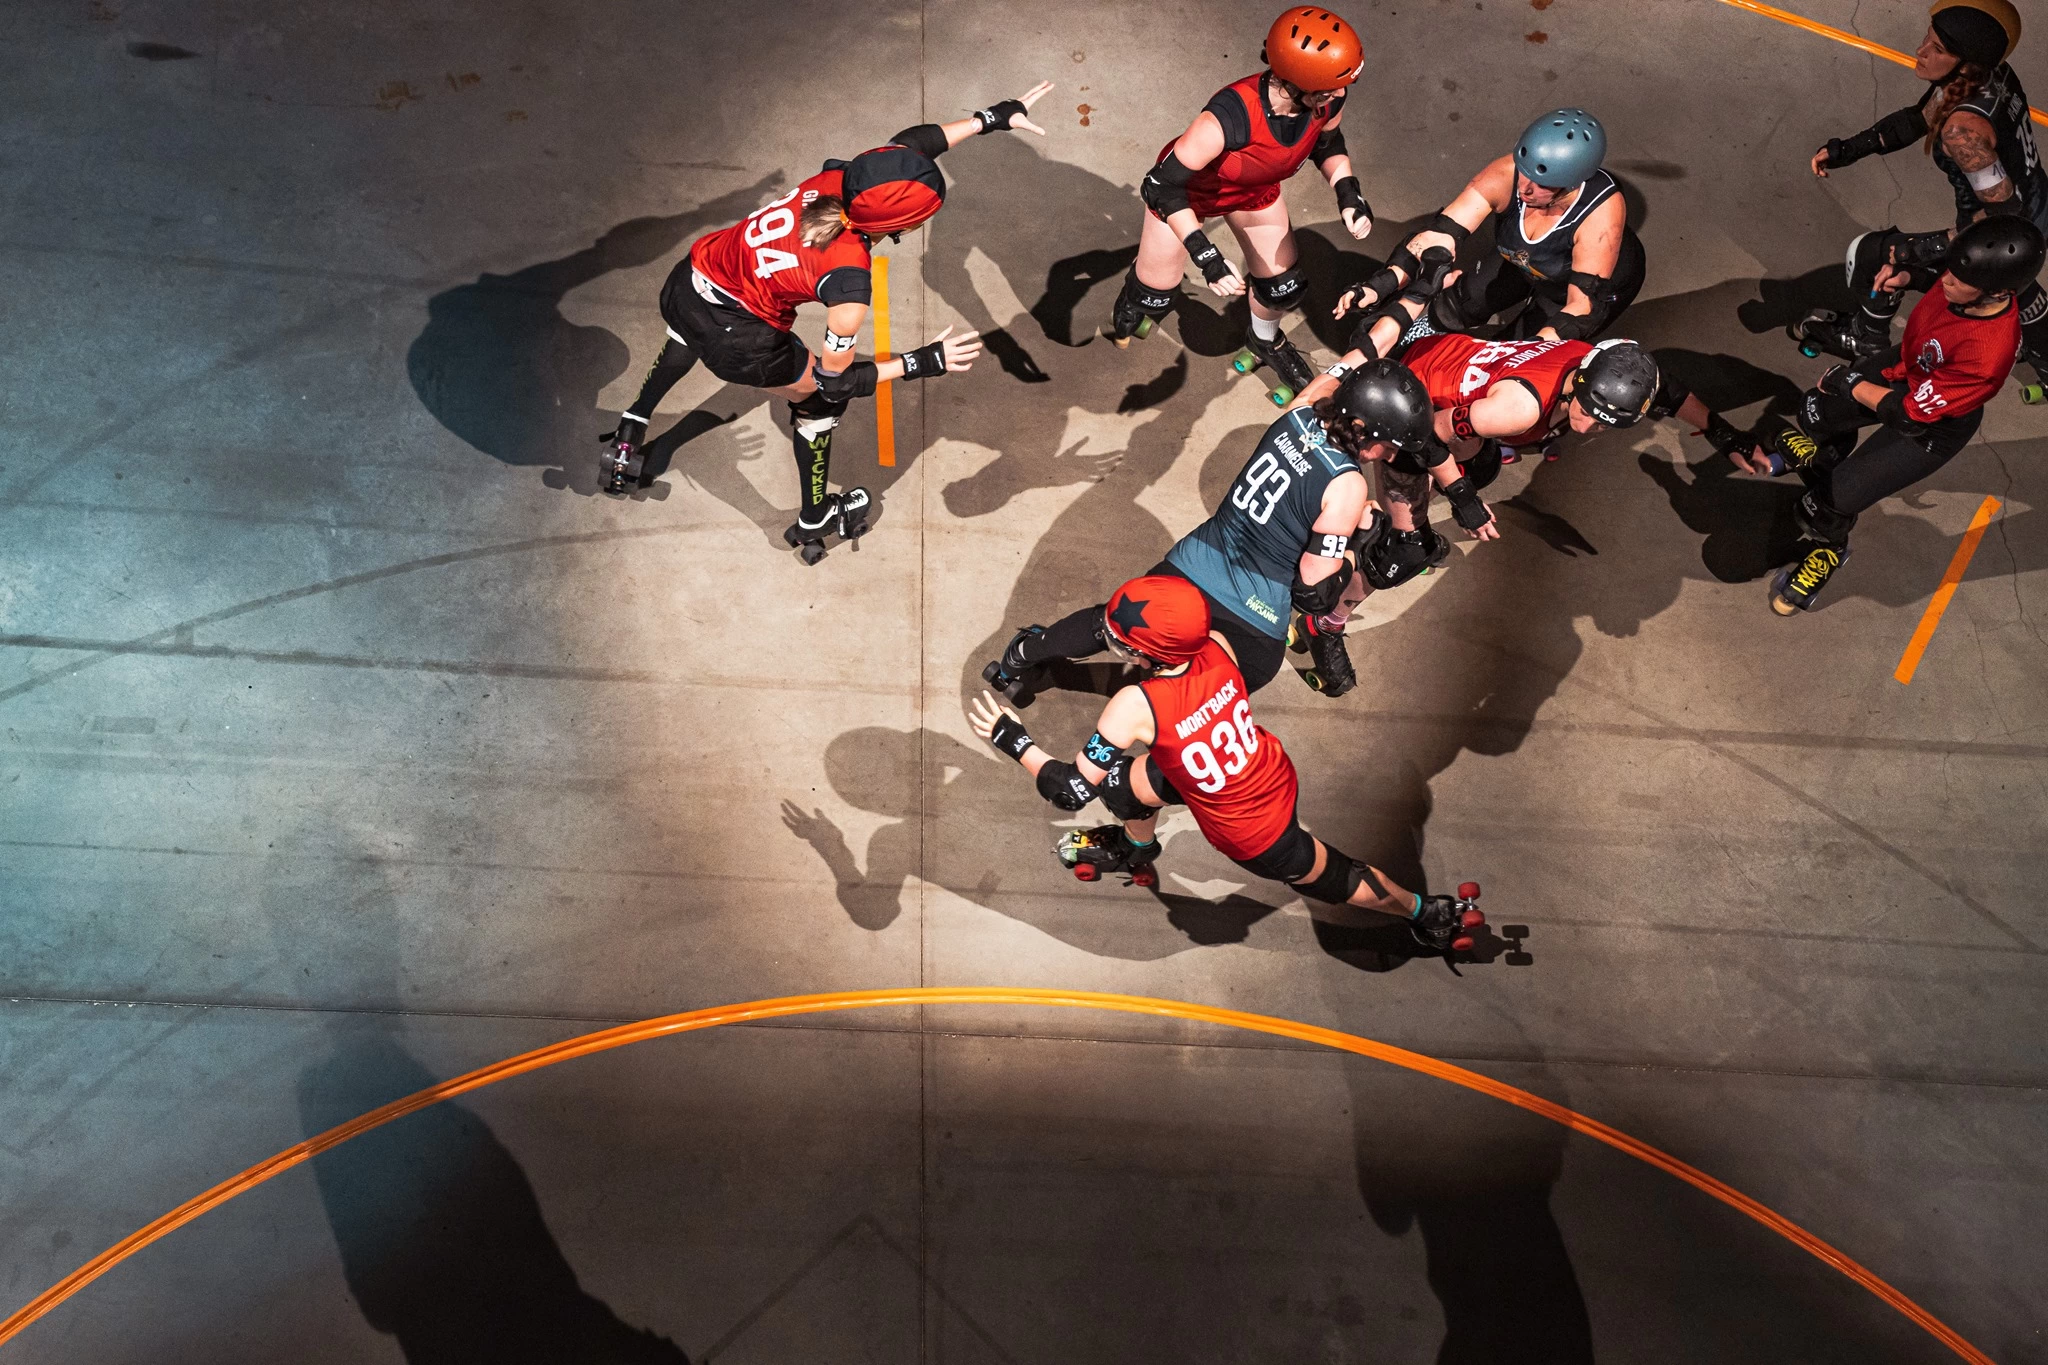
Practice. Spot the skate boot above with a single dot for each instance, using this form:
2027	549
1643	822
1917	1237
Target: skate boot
1332	674
1291	370
1010	675
1449	924
1796	585
1127	322
624	458
1836	334
2036	362
841	514
1107	849
1788	449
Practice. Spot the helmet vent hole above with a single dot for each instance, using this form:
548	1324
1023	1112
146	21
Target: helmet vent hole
1323	44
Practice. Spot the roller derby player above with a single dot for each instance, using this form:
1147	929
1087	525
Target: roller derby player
1281	541
1926	396
1205	751
732	301
1973	122
1230	163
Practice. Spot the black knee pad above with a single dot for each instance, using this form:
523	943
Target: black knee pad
1400	555
1153	303
1117	795
2033	304
1444	313
816	404
1279	292
1342	876
1823	523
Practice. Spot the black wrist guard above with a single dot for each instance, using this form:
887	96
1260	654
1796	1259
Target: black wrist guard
1900	128
1893	411
1405	262
996	118
1429	275
1466	504
1351	195
1010	736
1384	284
1839	381
1918	250
925	361
1204	254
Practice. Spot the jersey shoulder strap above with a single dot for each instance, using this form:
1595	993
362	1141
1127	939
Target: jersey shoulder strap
1228	108
1599	188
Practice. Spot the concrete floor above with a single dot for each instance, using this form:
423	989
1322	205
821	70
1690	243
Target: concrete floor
348	741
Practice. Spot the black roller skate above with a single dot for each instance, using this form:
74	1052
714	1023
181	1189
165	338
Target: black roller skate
625	457
1795	586
1824	331
2037	365
1449	924
1788	448
1010	675
1331	674
841	514
1291	370
1107	849
1127	322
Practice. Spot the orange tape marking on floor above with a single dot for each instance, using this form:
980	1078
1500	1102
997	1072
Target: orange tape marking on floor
1840	35
1929	619
786	1006
885	397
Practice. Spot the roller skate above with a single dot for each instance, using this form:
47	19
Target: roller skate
1449	924
1824	331
1127	322
1331	673
1010	675
1291	370
1107	849
2037	365
624	458
841	514
1795	586
1788	449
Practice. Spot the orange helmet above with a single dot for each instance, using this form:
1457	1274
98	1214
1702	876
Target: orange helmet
1312	49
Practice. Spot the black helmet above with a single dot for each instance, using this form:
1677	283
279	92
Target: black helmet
1999	255
1617	382
1382	400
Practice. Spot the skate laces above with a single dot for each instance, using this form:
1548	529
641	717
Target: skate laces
1815	568
1798	446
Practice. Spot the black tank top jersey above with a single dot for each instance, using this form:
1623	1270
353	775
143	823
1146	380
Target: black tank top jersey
1247	554
2003	104
1549	258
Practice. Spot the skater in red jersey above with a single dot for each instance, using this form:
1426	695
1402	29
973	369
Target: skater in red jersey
1204	751
732	302
1230	163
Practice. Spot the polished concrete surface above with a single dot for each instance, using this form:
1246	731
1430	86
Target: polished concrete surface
349	739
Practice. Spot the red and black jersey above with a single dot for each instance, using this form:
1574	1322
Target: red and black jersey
1236	779
1951	363
761	263
1460	370
1260	149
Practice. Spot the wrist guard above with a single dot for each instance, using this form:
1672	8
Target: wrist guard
1900	129
1204	254
1384	283
925	361
1010	736
1351	195
1893	411
1466	504
996	118
1839	381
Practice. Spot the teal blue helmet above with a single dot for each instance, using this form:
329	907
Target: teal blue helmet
1561	149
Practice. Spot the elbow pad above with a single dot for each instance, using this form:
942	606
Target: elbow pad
1062	784
1889	134
1449	227
1330	143
855	381
1575	326
926	139
1321	597
1165	187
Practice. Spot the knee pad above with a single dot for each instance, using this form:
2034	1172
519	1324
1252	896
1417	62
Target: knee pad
1822	523
2033	304
1444	314
1866	254
814	413
1117	795
1342	876
1153	303
1399	556
1280	292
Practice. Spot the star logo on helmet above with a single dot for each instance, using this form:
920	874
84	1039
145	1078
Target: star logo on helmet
1130	613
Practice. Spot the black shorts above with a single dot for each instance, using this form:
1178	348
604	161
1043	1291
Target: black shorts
1291	857
1259	655
733	344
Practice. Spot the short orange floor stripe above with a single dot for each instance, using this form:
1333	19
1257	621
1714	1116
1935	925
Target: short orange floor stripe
1785	16
786	1006
1929	619
885	396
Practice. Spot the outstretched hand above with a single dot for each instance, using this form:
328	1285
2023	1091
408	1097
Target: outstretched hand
1029	98
1358	297
984	711
1489	530
960	352
1006	116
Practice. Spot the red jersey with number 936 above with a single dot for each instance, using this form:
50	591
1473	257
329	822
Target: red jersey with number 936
1236	779
762	262
1458	370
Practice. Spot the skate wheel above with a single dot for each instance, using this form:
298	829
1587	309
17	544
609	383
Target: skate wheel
1244	362
1313	679
1144	876
1471	919
1143	329
2031	394
789	538
1086	872
1281	396
1468	891
811	554
1464	943
1809	350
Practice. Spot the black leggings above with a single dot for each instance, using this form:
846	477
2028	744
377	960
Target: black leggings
1078	635
1847	479
1492	287
1872	248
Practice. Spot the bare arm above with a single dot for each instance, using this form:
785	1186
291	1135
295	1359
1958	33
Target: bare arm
1507	408
1343	510
956	353
1486	194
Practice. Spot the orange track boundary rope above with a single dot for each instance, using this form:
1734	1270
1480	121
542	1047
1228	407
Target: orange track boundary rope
785	1006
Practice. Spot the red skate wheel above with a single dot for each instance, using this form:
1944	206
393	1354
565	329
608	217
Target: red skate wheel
1086	872
1464	943
1468	891
1144	876
1471	919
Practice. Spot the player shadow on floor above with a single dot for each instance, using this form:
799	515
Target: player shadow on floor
501	367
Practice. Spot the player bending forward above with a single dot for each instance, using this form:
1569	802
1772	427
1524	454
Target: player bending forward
1204	751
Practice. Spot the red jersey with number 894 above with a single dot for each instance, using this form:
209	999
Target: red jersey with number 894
1236	779
1459	370
762	262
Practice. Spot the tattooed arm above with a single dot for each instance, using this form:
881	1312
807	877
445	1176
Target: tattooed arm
1972	144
